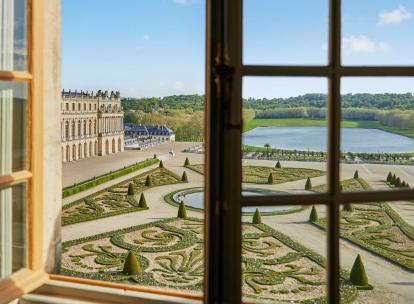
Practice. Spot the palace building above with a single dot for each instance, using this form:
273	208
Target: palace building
91	125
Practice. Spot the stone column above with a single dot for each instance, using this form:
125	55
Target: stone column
6	135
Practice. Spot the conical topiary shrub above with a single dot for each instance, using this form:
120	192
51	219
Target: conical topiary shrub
403	184
358	275
161	165
186	162
257	218
131	190
278	165
356	174
184	177
313	216
142	201
182	211
131	265
389	177
394	178
348	207
397	182
148	181
308	185
270	179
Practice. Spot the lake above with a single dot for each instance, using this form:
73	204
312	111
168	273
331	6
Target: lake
315	139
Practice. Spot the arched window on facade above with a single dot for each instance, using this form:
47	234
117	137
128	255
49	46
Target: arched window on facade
90	149
95	152
113	145
79	128
84	127
74	152
107	147
119	145
66	129
73	129
80	151
94	127
85	150
67	153
90	127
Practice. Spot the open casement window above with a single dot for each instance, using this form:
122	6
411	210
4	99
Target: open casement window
21	156
224	167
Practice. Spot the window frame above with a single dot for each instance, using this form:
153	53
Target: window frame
33	275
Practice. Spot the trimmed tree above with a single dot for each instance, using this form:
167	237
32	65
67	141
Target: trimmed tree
142	201
131	190
389	177
313	217
358	275
148	181
394	178
308	184
403	184
161	165
278	165
186	162
356	174
348	207
397	182
257	218
270	179
131	265
184	177
182	211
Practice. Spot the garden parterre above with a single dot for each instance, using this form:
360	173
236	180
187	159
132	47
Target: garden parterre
114	200
170	253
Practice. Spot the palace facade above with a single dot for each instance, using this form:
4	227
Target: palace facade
91	124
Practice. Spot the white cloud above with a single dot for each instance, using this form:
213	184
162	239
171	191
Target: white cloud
362	44
395	16
146	37
184	2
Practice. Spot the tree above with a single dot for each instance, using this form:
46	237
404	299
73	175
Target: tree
278	165
348	207
394	179
270	179
131	190
389	177
308	185
186	162
148	181
182	211
356	174
161	164
358	275
267	146
131	265
142	201
403	184
257	218
184	177
313	217
397	182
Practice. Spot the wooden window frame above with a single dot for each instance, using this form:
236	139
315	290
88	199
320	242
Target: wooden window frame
33	275
223	133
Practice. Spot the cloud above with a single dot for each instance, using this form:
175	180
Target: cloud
146	37
395	16
362	44
184	2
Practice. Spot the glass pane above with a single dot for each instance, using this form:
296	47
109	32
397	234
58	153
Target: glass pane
13	244
284	139
283	256
133	205
285	32
13	35
377	138
376	32
13	126
377	250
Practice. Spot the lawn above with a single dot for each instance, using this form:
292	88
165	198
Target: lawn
288	122
260	175
170	255
114	200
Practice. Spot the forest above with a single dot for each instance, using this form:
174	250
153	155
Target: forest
185	113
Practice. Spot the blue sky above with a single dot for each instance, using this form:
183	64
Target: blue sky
156	47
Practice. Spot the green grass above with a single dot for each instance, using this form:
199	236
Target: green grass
107	177
303	122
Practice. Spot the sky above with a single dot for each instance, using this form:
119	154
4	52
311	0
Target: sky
151	48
